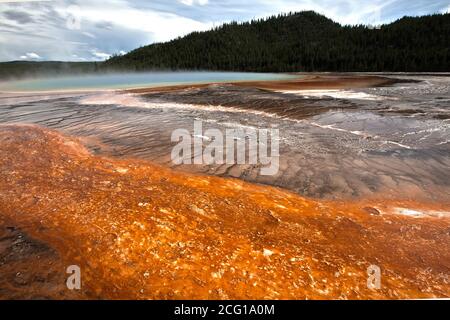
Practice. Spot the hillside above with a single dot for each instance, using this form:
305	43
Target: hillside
304	41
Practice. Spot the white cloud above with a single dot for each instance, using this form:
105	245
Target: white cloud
33	55
88	34
99	28
11	1
100	55
162	26
345	11
192	2
30	56
77	58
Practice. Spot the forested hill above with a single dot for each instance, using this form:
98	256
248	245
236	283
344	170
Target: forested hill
304	41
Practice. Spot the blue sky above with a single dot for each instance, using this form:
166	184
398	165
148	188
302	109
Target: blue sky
87	30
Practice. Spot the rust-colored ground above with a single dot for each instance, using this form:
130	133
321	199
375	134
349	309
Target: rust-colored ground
310	82
140	231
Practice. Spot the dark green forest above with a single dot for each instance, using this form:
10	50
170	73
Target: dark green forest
304	41
295	42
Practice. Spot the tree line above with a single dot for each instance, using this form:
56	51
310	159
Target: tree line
304	41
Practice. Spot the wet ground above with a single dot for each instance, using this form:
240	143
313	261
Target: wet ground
373	164
334	143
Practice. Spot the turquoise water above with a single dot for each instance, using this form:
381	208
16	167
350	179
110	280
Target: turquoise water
132	80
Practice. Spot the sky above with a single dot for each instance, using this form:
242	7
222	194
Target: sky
92	30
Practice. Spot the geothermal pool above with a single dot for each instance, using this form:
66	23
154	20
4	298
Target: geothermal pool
131	80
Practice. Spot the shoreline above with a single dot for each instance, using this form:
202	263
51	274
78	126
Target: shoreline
306	81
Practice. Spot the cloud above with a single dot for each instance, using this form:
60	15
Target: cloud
100	55
104	25
193	2
19	17
88	34
162	26
77	58
13	1
30	56
102	28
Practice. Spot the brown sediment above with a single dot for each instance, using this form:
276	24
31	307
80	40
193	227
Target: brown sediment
309	82
141	231
30	269
276	98
323	82
251	98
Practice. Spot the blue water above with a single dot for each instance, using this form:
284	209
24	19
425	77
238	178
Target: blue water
132	80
